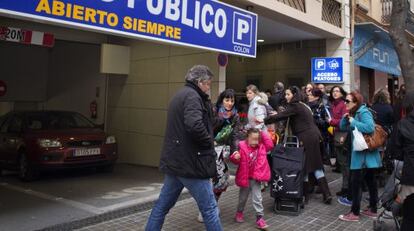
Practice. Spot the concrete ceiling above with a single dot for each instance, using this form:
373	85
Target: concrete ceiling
274	32
277	28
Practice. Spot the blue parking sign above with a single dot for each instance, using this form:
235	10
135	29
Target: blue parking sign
327	70
242	31
205	24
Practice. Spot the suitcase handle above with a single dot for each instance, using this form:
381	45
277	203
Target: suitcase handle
295	141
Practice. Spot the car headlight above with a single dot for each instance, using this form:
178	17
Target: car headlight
49	143
110	140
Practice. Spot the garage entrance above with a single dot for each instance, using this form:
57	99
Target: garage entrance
64	77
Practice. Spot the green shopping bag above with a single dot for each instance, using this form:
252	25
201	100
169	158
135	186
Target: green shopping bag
224	134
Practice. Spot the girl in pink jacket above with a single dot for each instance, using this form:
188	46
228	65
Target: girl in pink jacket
252	171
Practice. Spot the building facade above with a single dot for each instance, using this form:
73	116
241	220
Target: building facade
132	78
376	62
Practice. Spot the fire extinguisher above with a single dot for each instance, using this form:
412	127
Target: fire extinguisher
93	107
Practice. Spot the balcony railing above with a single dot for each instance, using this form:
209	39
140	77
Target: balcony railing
386	15
297	4
386	11
331	12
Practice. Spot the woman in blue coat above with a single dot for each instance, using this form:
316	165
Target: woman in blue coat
363	163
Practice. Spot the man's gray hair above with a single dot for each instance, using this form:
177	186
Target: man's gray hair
278	87
199	73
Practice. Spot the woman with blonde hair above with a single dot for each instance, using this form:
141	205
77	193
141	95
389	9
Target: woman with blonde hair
257	108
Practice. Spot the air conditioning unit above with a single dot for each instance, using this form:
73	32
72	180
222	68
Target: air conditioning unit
115	59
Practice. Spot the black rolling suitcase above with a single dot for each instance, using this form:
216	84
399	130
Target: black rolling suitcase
288	163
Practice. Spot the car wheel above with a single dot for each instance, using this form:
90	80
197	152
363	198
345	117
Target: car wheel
26	171
107	168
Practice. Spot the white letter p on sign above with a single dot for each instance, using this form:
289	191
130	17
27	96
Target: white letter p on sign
243	28
320	64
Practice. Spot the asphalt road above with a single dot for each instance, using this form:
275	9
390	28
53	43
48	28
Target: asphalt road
62	197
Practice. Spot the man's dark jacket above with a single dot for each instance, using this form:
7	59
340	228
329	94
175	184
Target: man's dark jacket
188	149
401	146
276	100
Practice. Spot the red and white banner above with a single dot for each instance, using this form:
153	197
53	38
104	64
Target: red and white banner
27	36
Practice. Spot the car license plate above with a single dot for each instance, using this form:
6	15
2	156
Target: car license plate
87	152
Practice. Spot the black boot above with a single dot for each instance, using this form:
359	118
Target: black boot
343	192
318	190
323	184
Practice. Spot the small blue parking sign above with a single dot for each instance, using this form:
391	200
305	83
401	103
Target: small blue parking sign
327	70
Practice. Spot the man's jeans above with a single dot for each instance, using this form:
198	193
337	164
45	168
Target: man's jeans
202	192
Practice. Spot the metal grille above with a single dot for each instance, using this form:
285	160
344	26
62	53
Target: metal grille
84	143
386	11
297	4
331	12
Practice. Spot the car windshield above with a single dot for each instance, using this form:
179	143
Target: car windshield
56	120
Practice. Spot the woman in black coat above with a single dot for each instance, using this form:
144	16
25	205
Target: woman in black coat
402	146
304	127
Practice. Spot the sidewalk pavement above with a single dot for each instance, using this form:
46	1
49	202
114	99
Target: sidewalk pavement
315	216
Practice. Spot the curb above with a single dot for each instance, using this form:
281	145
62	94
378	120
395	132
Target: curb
92	220
118	213
122	212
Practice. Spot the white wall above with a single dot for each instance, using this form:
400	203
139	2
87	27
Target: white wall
74	78
65	77
24	69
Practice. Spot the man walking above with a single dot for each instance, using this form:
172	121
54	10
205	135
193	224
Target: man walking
188	158
325	96
279	96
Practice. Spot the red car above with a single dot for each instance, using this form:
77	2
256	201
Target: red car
32	141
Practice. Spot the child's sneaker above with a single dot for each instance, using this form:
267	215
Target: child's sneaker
239	217
261	224
349	217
